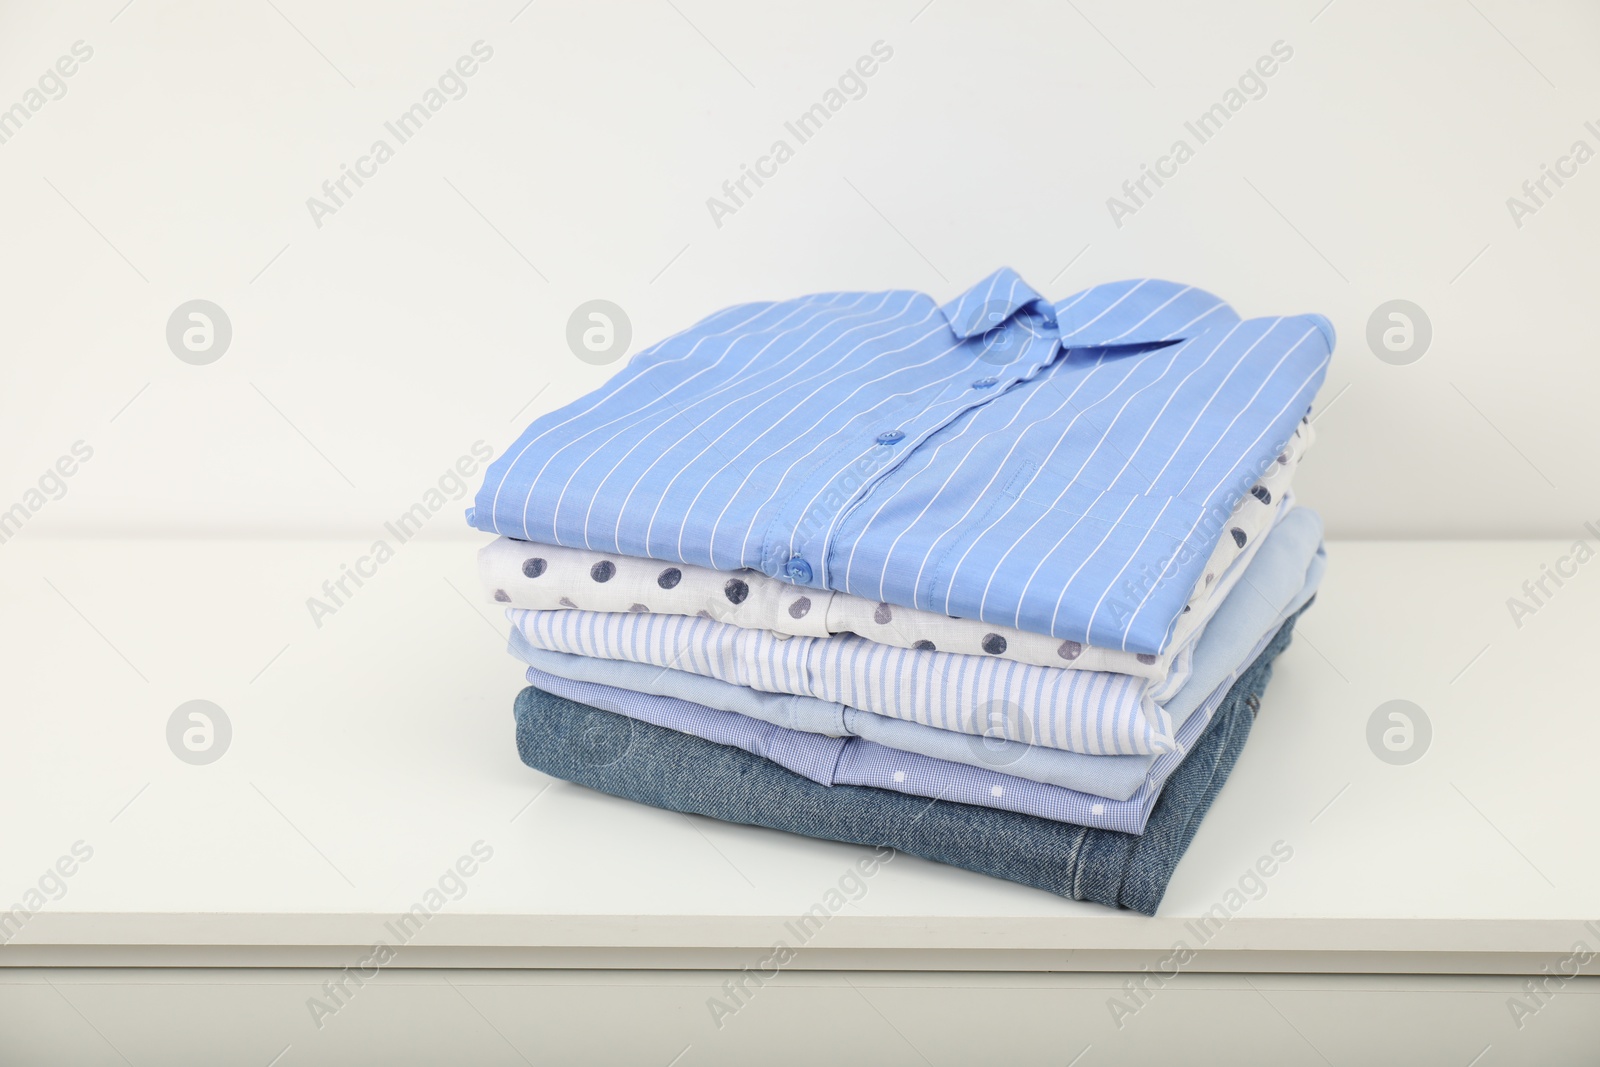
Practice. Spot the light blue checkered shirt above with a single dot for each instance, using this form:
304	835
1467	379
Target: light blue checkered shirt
1063	468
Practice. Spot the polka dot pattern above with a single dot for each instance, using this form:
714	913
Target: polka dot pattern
882	614
798	609
532	568
736	590
994	644
669	578
603	571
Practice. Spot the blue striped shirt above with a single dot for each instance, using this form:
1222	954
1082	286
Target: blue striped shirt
1094	712
1062	468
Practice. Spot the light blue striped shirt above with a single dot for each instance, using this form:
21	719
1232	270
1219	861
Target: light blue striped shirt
1094	712
1062	468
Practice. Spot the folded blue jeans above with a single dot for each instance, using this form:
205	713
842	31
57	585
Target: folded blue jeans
679	772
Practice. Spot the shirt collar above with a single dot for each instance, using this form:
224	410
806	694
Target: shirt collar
1139	311
992	302
1135	311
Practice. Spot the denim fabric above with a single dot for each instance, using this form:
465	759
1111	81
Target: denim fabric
653	765
1277	583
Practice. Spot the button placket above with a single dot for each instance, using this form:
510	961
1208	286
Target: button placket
950	401
921	416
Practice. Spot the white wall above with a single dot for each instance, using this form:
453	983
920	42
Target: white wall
426	312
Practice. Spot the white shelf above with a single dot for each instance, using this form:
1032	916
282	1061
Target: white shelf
369	754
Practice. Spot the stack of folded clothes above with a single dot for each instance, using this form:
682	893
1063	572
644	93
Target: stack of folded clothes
997	583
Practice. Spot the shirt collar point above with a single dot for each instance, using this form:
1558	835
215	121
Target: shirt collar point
993	302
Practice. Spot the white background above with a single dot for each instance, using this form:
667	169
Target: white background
430	310
370	749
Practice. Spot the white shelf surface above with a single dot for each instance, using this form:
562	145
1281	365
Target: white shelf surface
370	753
